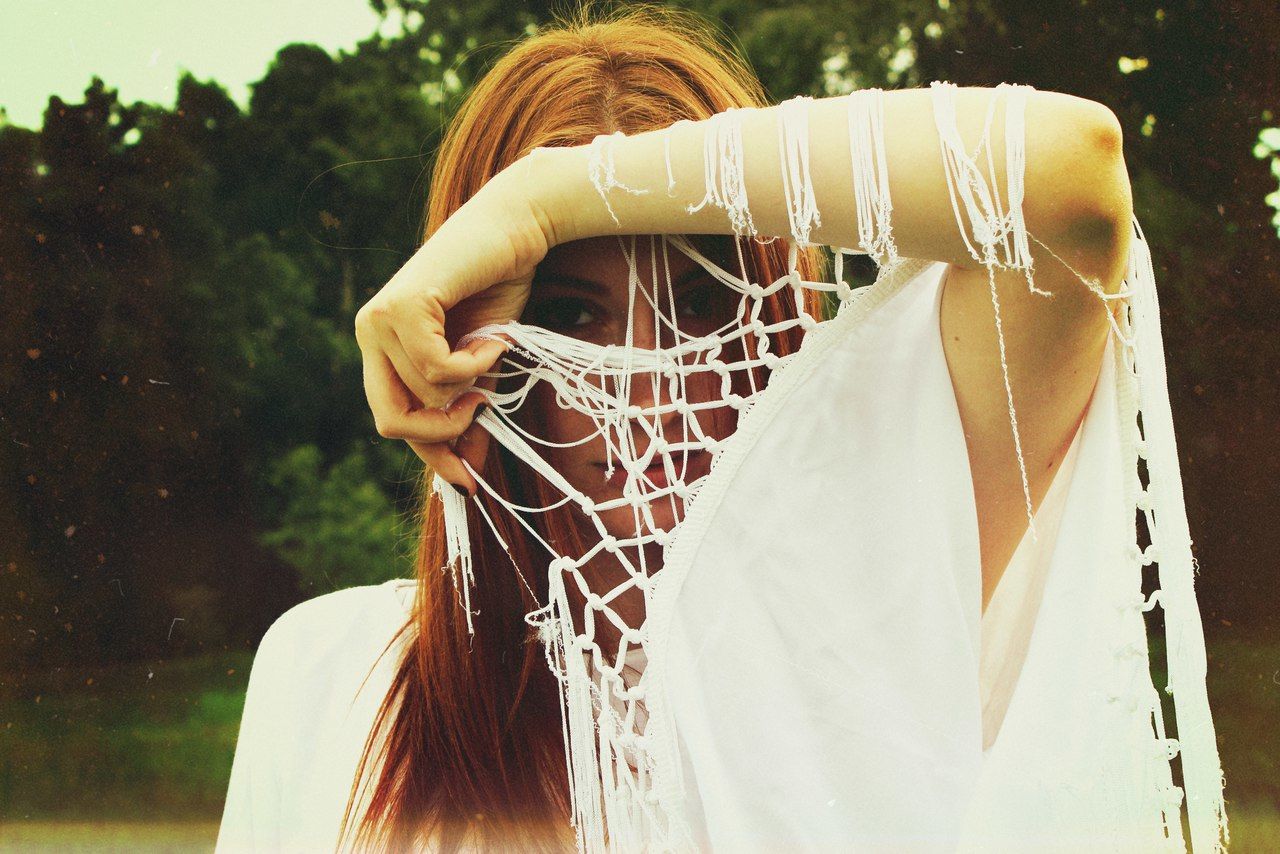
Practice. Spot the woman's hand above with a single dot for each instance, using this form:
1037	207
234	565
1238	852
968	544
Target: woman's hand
474	270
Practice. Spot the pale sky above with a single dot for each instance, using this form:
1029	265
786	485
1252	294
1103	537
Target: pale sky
54	47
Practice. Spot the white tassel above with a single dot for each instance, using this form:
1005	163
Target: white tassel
584	765
723	163
797	184
1202	773
870	177
457	542
602	172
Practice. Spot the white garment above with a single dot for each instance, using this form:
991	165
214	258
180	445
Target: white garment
817	679
869	624
1011	612
306	719
1007	620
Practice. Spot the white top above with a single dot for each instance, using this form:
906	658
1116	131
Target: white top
819	668
868	627
305	718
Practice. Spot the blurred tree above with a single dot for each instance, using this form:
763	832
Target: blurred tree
183	400
337	528
102	408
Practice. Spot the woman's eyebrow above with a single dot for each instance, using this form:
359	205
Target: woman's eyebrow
590	286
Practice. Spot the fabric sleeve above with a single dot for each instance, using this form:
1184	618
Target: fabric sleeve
252	813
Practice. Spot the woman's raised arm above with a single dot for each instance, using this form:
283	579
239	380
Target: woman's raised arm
1075	183
771	171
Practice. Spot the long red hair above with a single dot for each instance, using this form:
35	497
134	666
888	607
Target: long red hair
467	746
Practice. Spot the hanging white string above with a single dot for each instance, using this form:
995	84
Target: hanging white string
797	184
726	185
870	177
987	222
624	794
603	172
457	543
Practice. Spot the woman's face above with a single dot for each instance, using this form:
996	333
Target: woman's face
581	290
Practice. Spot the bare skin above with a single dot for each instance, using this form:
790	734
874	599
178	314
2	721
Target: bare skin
1053	350
479	266
581	290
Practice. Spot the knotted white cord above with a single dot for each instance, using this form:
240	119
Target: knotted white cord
623	797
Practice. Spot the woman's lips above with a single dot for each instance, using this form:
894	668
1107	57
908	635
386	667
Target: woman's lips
656	473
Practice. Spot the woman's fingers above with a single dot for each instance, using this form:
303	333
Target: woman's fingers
411	334
437	365
441	459
431	394
472	447
409	378
406	405
396	414
447	459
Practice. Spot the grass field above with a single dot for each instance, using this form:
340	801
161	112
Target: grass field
129	742
136	757
100	837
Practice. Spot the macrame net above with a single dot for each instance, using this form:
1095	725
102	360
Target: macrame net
621	790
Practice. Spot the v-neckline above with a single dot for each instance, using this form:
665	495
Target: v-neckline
1051	494
1021	563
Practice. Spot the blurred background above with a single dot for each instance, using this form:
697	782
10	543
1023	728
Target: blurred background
195	199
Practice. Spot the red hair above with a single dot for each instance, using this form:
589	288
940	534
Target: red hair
467	746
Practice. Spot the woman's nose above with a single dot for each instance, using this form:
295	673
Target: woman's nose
657	418
644	330
649	390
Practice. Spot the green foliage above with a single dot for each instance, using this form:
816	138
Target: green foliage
337	527
186	433
148	740
1268	147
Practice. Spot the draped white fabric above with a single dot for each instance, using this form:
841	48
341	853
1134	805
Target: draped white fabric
821	672
317	681
808	674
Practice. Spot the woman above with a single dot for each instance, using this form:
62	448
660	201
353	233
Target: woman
458	737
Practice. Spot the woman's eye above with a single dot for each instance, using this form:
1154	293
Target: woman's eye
560	313
696	302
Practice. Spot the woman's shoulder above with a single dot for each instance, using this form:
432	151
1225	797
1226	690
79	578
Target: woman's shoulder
336	619
320	617
324	645
314	687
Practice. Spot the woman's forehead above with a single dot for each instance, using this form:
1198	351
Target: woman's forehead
605	260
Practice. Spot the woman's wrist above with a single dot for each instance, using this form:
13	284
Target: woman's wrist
555	184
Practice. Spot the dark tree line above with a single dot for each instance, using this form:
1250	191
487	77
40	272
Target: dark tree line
186	448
